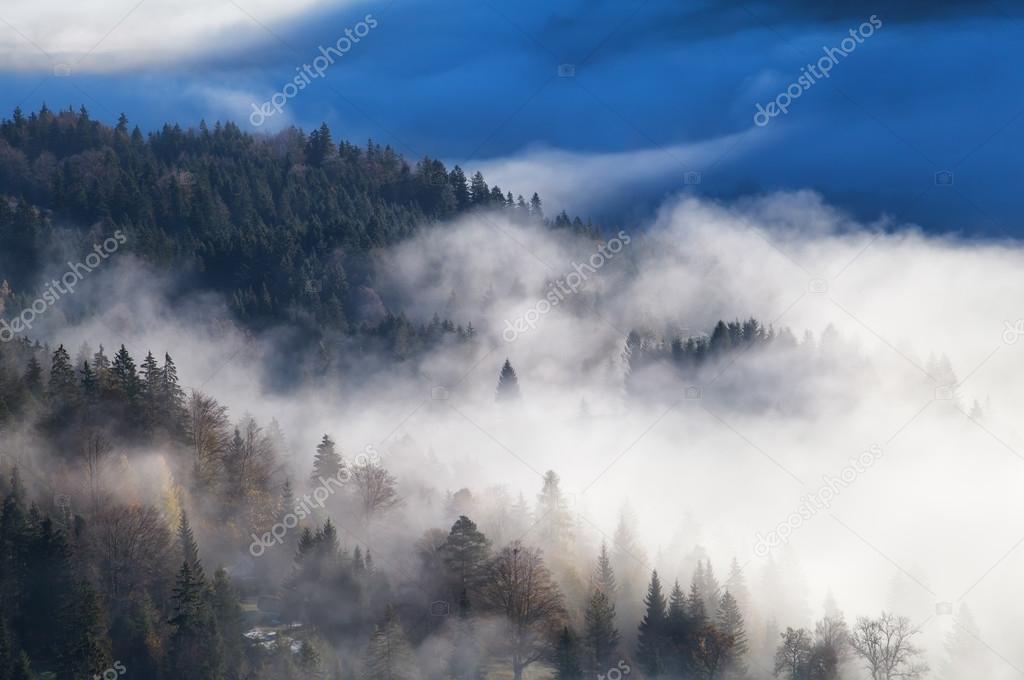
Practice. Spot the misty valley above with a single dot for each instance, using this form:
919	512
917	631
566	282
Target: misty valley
284	407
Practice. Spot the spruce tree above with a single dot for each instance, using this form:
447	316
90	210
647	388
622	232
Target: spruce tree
189	548
604	574
729	620
566	657
327	463
63	386
650	650
600	636
678	632
508	384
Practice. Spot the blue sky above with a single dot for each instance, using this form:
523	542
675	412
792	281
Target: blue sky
659	92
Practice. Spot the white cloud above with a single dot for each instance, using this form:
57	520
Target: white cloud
575	180
106	35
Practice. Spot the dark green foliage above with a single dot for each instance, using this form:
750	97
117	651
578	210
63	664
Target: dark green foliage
280	226
652	639
567	657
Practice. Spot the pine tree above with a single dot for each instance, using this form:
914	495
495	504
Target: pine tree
600	636
388	656
566	657
508	384
327	463
729	620
678	631
650	651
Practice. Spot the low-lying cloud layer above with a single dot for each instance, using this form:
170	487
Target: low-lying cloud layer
887	445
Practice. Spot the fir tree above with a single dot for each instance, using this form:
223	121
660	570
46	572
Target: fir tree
599	633
508	384
650	651
604	574
566	657
729	620
327	463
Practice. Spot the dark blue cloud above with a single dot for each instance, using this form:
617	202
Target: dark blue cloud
935	89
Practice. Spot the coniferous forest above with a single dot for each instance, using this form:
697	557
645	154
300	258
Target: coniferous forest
334	504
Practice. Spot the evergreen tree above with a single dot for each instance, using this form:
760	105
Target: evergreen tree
189	548
465	554
126	379
33	378
194	650
729	620
327	463
600	636
650	651
678	633
388	656
508	384
84	649
63	386
227	613
553	517
604	574
566	657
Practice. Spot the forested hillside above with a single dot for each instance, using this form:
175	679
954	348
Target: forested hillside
281	225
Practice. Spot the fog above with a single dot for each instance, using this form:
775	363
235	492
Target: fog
711	461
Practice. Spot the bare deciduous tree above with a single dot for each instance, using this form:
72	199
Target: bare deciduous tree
885	644
519	587
131	545
209	436
376	489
